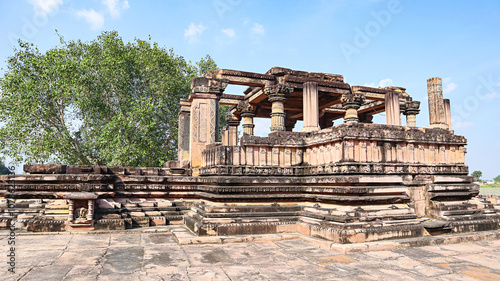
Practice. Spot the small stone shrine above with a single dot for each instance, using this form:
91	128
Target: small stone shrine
350	182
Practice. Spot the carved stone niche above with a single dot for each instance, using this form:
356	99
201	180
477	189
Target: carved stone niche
81	210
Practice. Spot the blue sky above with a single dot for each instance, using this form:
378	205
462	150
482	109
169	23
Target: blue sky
399	43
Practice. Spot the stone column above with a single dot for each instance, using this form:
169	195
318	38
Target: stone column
447	112
436	104
90	213
204	126
225	136
392	113
411	111
71	211
233	122
183	127
351	103
277	95
247	112
310	107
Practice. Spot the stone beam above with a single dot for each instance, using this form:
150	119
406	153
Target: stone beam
237	77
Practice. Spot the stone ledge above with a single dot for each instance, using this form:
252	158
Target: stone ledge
184	236
388	245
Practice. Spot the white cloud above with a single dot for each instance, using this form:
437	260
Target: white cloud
258	29
44	7
383	83
457	125
448	85
493	95
115	7
95	19
229	32
193	32
448	88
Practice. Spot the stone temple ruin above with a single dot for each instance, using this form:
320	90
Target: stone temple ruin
347	183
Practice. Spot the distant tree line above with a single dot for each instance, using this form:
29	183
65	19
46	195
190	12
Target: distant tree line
479	174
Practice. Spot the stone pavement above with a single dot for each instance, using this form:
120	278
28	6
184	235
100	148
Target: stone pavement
158	256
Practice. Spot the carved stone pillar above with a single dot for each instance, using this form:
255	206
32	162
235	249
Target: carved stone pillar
351	103
233	122
247	112
310	107
277	95
392	114
90	213
183	129
436	104
447	112
225	136
411	111
204	127
71	211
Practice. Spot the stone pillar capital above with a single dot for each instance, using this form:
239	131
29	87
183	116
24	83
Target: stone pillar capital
277	95
352	100
203	85
411	111
246	108
277	92
232	120
412	108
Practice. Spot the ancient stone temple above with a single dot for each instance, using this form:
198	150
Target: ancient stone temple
340	177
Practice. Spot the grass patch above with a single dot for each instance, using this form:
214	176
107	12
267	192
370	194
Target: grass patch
495	185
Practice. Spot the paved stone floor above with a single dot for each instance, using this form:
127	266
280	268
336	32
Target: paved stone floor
157	256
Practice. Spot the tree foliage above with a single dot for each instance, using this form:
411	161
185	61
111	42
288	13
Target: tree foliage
103	102
477	174
496	179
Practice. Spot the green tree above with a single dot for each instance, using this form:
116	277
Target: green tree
478	175
103	102
496	179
